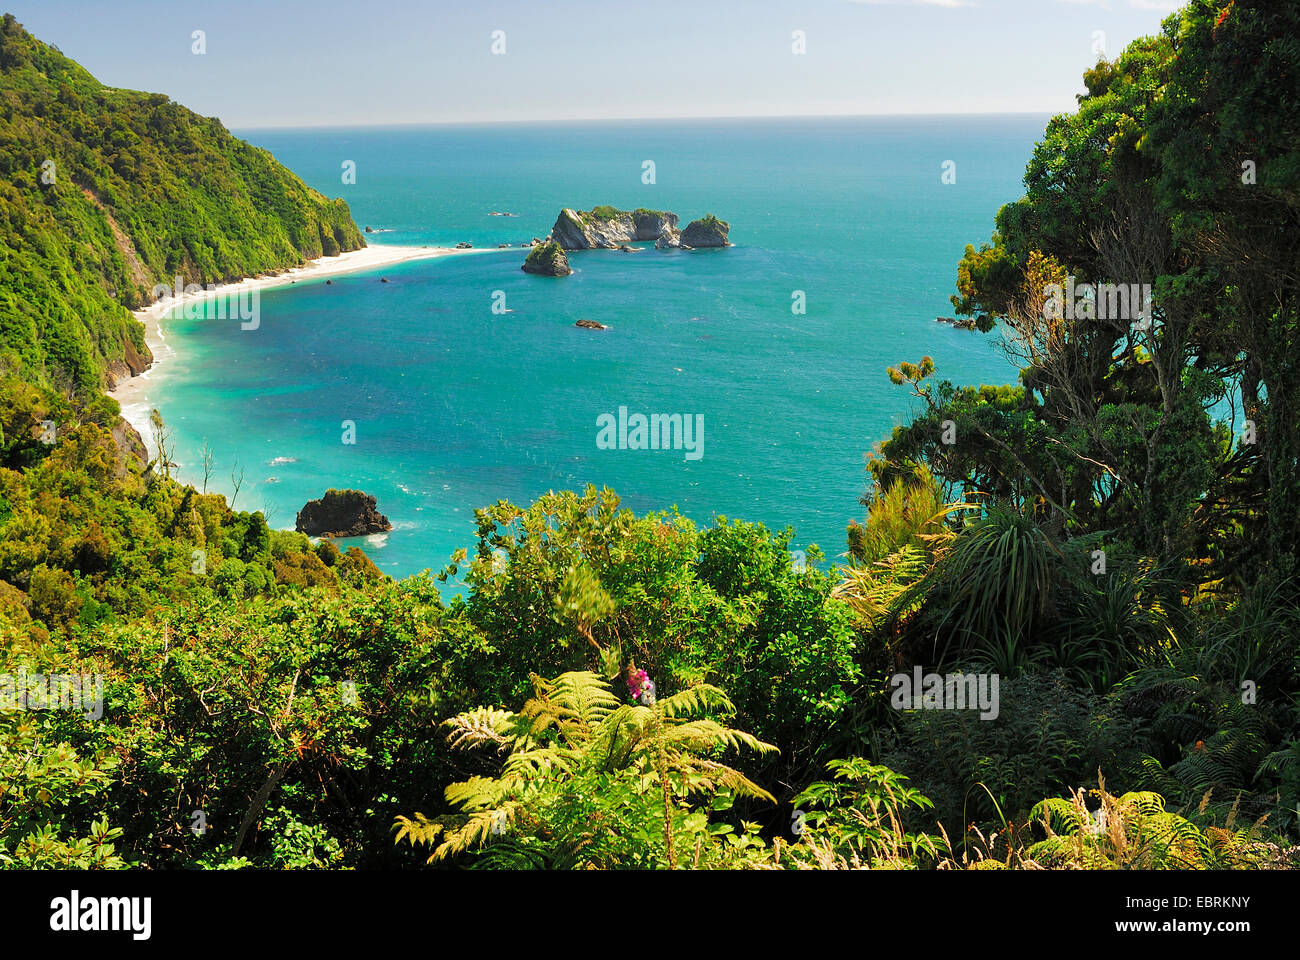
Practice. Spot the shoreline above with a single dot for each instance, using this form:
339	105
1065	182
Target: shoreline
132	393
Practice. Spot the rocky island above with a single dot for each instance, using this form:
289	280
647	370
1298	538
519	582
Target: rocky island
547	260
708	231
608	228
341	513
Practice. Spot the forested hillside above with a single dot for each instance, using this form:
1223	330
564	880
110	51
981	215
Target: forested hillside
107	192
1113	537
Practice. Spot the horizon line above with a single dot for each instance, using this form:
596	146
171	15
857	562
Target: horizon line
561	120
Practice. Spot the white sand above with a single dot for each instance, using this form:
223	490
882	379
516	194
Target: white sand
132	393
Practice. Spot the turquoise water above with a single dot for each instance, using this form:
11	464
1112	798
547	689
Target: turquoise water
456	407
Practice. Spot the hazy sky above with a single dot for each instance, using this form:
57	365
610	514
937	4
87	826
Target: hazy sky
322	62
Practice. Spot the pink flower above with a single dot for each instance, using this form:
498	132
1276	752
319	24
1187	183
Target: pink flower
636	680
640	687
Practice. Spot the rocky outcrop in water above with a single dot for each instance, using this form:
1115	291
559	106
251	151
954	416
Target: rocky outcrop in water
547	260
708	231
341	513
606	228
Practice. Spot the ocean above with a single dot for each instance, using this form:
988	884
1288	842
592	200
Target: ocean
454	406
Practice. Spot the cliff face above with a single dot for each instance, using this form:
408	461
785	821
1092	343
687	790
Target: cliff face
133	363
106	192
605	227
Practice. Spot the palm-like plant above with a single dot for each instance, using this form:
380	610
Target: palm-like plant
1114	623
585	777
999	576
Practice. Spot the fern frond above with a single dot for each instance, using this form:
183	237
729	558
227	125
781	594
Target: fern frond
574	703
532	764
697	701
474	833
1061	816
713	777
1145	802
417	830
702	734
512	853
484	726
476	793
619	735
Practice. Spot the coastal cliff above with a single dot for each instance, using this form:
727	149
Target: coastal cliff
107	192
605	228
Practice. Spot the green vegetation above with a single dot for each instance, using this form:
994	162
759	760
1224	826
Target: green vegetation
548	259
620	691
606	212
108	192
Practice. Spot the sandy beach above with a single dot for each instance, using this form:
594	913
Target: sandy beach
132	393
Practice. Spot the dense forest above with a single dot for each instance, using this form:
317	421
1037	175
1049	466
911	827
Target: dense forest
108	192
1114	537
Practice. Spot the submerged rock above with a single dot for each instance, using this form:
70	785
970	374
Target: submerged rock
341	513
547	260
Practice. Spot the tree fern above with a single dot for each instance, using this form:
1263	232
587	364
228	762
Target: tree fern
586	776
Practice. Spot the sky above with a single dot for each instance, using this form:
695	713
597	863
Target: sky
281	63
